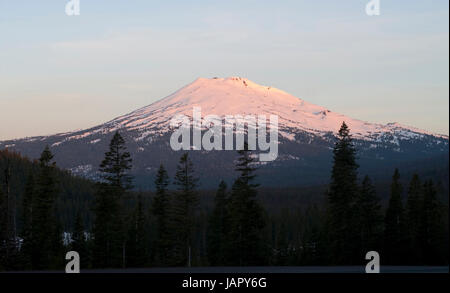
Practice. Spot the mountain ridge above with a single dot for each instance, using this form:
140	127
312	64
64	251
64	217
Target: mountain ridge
306	134
178	98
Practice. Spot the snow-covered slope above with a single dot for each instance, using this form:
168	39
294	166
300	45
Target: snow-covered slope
240	96
306	133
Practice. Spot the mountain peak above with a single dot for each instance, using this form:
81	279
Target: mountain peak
232	81
241	96
304	130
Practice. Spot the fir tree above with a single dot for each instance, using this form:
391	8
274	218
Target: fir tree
341	197
116	165
369	218
218	227
432	227
141	234
44	221
137	253
414	218
27	222
246	241
57	244
109	231
161	209
10	248
183	212
394	225
106	204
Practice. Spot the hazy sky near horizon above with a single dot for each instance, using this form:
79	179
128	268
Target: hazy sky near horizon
60	73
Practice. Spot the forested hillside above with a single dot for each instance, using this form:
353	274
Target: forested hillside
46	211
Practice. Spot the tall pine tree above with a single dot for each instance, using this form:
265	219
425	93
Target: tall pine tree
161	210
45	224
246	240
184	212
27	222
342	194
10	248
394	225
369	218
109	229
413	219
432	228
218	227
137	252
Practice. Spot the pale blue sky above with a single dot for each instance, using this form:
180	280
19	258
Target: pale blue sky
61	73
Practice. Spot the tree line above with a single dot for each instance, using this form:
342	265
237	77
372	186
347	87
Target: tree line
409	232
131	229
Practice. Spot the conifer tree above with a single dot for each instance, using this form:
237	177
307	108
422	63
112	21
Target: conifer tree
45	225
106	204
341	197
10	245
137	252
141	234
184	212
394	225
161	210
218	227
27	222
109	229
369	218
432	227
414	218
246	242
57	240
116	165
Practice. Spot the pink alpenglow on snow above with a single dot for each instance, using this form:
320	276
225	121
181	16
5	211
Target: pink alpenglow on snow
240	96
227	126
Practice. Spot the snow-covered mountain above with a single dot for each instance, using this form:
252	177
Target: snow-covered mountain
240	96
306	134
